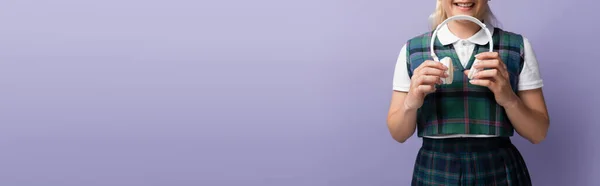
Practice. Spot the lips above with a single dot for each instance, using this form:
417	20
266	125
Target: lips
464	5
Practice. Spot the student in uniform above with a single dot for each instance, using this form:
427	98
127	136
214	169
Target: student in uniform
466	126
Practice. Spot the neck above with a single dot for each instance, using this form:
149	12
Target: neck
463	29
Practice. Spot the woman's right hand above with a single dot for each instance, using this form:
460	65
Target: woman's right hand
425	77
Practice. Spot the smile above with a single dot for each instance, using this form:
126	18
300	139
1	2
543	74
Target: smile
465	5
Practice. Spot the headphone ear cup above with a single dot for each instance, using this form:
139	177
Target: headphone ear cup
473	70
448	63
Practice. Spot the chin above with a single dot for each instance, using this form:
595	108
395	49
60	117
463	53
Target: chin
472	15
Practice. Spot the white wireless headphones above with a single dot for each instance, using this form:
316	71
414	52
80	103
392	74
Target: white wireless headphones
447	61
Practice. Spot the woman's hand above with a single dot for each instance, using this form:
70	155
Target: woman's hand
425	77
495	77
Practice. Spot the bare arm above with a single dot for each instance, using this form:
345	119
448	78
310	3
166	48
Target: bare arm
401	120
529	115
402	115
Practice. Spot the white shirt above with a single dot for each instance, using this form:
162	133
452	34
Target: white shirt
530	77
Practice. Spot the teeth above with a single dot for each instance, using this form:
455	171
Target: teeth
465	4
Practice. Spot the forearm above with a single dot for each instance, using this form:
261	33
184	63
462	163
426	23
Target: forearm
530	124
402	123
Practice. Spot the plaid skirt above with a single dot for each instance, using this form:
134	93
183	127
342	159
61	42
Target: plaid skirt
470	161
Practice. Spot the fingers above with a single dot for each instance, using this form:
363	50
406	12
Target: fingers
489	60
487	55
494	72
430	72
483	82
426	89
490	63
431	64
433	72
493	79
428	80
486	74
427	75
425	84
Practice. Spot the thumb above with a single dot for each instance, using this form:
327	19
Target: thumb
466	72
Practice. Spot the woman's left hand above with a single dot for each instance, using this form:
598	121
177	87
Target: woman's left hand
495	77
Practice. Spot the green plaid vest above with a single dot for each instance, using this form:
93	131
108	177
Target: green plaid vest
461	107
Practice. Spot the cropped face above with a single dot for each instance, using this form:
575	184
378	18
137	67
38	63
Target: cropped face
473	8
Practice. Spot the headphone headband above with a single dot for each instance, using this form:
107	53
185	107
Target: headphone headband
460	17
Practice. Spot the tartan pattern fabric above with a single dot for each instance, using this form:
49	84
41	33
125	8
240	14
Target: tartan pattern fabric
461	107
470	162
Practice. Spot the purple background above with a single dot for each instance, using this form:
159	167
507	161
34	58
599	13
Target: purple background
269	92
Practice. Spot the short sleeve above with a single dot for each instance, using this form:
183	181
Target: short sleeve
530	77
401	81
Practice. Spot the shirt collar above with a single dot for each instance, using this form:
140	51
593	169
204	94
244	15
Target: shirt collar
447	37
